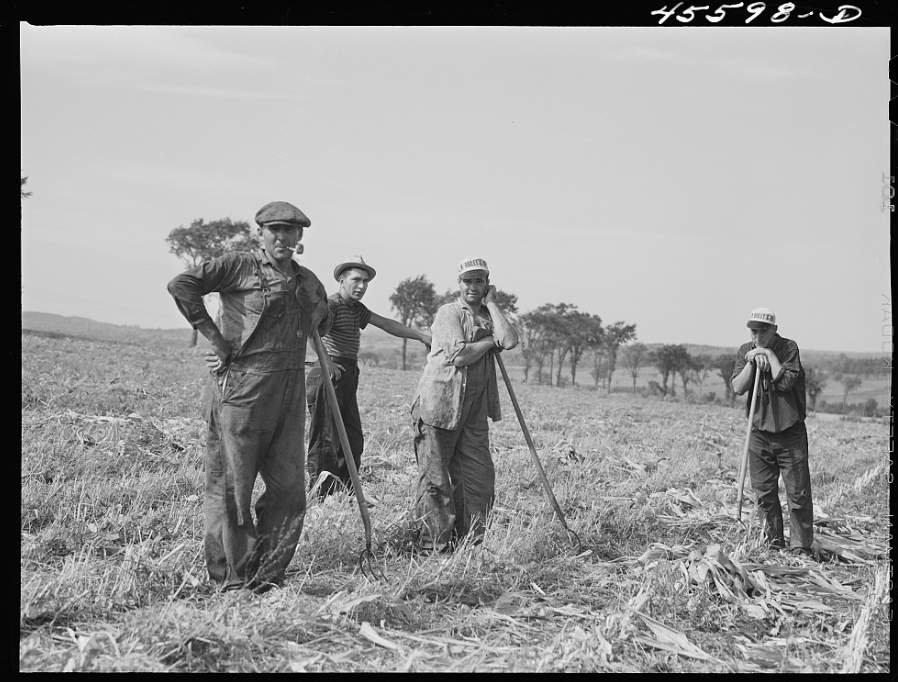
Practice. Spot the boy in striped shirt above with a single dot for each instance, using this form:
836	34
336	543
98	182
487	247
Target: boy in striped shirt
349	316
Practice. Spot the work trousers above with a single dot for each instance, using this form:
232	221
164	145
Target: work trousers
786	453
325	450
456	477
254	428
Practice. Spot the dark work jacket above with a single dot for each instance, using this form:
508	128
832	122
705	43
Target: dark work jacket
782	400
248	284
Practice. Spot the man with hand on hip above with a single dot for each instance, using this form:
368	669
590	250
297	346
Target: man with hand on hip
254	401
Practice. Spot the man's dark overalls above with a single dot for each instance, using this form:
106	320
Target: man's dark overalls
256	424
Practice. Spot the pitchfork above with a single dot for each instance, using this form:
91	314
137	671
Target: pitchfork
575	539
366	557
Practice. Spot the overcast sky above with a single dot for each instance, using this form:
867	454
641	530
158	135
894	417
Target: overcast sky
674	179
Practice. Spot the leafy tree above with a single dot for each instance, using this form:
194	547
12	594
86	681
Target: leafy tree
684	369
634	355
701	369
25	194
415	303
669	359
615	336
849	384
814	383
202	241
537	332
569	331
584	332
725	364
599	371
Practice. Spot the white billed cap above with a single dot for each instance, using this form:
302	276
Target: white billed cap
760	318
468	264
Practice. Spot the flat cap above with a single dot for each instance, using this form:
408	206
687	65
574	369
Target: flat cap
283	213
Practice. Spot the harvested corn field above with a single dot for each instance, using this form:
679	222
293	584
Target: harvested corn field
666	580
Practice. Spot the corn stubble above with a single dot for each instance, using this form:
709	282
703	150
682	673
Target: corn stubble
112	575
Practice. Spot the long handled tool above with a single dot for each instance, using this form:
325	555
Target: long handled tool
744	466
366	558
539	467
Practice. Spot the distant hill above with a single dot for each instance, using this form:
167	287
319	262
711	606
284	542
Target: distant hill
373	339
83	327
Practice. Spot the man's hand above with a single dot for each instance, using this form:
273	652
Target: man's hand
215	363
334	370
760	356
427	340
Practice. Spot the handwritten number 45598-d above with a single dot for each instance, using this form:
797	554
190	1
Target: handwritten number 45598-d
783	12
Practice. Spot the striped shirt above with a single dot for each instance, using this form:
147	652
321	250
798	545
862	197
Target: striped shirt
344	338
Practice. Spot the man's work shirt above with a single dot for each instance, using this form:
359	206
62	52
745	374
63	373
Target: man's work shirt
441	390
344	338
782	399
249	284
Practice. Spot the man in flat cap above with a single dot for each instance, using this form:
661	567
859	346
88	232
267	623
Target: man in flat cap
254	401
342	343
778	443
456	393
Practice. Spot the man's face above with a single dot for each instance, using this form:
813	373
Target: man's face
280	240
353	284
763	337
472	286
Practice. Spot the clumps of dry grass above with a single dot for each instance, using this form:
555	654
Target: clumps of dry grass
113	577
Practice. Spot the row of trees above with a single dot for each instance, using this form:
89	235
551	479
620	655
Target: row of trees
841	365
551	335
416	302
674	361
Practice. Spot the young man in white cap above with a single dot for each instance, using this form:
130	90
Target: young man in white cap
779	440
342	342
254	402
457	392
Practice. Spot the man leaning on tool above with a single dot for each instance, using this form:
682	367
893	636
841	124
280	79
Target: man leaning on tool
456	393
342	343
779	439
254	401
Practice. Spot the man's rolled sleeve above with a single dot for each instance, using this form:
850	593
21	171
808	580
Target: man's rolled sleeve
790	371
189	287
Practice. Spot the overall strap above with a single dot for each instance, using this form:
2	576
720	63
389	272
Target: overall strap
264	288
257	269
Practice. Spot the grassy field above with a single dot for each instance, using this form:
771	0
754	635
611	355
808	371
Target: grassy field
112	575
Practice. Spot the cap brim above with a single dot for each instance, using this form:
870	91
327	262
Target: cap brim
284	222
757	325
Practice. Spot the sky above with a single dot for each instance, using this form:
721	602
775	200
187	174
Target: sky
672	179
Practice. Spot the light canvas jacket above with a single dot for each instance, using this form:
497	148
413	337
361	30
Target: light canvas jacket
441	390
